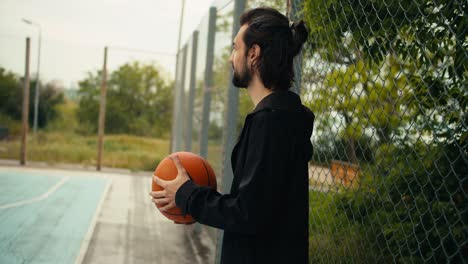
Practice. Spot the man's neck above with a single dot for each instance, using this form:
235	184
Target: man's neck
257	91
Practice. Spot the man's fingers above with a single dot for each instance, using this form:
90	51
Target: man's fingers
159	181
177	163
160	201
167	207
158	194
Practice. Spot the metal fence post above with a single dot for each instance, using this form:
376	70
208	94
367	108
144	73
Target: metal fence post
208	83
177	71
229	133
174	101
177	132
191	93
25	109
102	112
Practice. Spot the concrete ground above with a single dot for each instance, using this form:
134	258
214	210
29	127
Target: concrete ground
126	227
131	230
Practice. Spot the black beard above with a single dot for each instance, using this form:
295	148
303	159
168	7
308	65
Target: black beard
241	79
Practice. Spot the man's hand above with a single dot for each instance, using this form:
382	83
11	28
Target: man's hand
167	196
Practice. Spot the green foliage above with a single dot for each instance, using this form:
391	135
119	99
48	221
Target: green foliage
14	126
363	97
88	108
221	73
394	74
421	29
419	207
65	121
333	238
11	96
425	38
276	4
327	148
215	132
139	101
50	97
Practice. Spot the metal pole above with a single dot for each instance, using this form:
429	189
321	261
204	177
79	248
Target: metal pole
174	113
191	97
36	96
181	22
25	110
208	83
102	111
229	133
178	132
175	103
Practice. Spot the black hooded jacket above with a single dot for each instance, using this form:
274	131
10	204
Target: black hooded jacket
265	215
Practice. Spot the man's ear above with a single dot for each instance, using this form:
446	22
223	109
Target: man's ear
254	54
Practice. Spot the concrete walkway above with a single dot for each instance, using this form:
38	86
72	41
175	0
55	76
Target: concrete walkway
131	230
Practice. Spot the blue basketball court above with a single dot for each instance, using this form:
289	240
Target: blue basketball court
51	215
46	216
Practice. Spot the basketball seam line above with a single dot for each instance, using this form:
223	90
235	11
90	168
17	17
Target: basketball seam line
207	173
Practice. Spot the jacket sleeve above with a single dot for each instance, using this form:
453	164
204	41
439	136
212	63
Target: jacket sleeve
253	205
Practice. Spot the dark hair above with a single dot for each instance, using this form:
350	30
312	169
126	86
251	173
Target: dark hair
279	43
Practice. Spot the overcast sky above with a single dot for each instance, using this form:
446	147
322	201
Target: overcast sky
74	33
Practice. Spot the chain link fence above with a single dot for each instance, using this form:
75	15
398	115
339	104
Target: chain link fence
387	82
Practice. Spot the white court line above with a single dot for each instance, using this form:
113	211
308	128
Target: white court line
38	198
89	235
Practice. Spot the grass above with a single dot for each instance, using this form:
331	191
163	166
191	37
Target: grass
332	237
120	151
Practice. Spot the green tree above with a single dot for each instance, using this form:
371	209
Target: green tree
359	97
426	36
88	106
50	96
11	96
139	100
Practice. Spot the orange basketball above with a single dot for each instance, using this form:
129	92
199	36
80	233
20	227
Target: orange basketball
197	169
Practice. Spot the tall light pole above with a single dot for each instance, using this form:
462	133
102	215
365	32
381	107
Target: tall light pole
36	95
25	108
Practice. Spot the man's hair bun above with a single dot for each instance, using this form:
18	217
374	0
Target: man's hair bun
300	34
